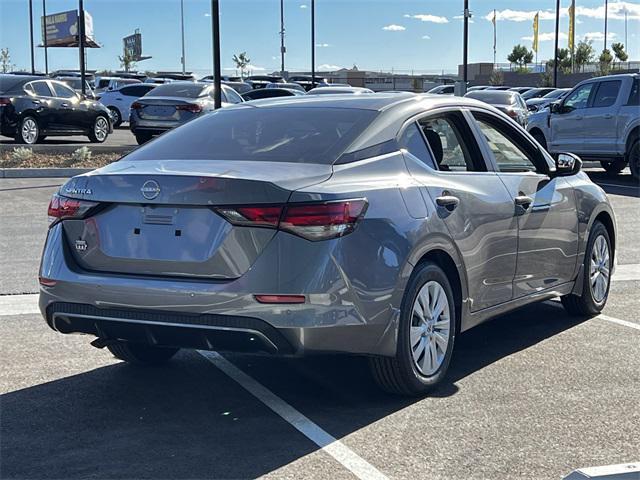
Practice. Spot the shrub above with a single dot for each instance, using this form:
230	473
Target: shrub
81	155
21	154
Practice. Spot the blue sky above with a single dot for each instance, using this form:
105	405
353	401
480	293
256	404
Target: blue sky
419	35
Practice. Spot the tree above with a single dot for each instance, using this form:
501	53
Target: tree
564	61
5	60
618	51
127	60
584	53
497	78
241	62
605	62
521	56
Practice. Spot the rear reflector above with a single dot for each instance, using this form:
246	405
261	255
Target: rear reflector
46	282
61	208
280	298
313	221
136	106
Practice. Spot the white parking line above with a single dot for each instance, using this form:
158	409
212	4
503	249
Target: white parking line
343	454
626	272
19	304
624	323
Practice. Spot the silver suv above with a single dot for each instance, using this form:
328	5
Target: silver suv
598	120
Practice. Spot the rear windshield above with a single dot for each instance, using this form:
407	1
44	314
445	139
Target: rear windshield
179	89
7	82
270	134
492	97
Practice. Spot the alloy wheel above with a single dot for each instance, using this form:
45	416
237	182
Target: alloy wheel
101	128
599	271
430	328
29	131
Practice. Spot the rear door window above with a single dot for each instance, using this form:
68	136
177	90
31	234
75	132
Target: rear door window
634	96
232	96
606	94
41	89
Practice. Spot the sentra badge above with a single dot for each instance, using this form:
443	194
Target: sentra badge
78	191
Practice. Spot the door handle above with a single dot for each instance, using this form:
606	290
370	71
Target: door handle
35	102
523	201
448	201
65	105
608	116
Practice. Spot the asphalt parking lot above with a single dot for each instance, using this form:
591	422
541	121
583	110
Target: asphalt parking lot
121	137
533	394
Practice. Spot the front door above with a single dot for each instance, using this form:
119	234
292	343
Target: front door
544	207
567	125
474	205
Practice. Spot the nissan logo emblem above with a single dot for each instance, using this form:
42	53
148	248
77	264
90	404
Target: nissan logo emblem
150	189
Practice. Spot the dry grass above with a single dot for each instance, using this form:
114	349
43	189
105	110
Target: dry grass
60	160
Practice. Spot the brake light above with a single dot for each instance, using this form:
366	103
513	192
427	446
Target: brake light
190	107
4	101
511	113
136	106
62	208
312	221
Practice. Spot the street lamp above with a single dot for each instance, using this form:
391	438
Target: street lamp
282	47
33	66
215	33
183	60
313	43
555	55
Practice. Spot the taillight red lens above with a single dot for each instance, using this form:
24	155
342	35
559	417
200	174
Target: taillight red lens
5	101
280	298
136	106
313	221
61	208
191	107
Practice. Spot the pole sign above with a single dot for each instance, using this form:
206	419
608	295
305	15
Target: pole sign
61	29
132	45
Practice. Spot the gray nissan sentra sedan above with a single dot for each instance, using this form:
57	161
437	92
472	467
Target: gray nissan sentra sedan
381	225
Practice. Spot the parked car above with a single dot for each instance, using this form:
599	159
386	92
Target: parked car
599	119
306	81
442	90
540	103
335	225
509	102
104	84
497	87
289	86
261	81
537	93
521	90
119	101
338	90
271	93
76	84
477	87
174	104
32	108
240	87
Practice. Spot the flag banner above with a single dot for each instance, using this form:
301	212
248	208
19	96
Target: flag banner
572	22
534	47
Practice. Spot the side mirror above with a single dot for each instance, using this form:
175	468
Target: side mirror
555	107
567	164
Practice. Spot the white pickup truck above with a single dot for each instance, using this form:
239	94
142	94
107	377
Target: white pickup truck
598	120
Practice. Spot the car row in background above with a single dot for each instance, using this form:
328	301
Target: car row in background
508	102
119	101
34	107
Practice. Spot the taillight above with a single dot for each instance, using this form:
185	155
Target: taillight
511	113
4	101
61	208
136	106
190	107
312	221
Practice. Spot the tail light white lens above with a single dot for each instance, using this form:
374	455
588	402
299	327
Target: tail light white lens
61	208
313	221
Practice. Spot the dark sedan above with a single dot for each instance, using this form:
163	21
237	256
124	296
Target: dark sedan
173	104
33	107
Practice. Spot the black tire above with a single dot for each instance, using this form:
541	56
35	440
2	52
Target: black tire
30	138
98	134
614	167
116	117
633	158
585	305
539	137
143	137
399	374
141	354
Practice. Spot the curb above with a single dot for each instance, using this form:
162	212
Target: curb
42	172
70	148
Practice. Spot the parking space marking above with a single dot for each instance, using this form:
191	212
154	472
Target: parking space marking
343	454
626	272
619	321
19	304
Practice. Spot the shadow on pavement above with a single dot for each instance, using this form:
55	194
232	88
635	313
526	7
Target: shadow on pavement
188	420
620	184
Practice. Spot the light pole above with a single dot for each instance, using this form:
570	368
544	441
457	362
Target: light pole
44	35
555	55
215	32
313	43
81	45
465	48
282	47
183	60
606	14
33	65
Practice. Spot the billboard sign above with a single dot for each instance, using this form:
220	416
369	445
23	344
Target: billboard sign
61	29
132	45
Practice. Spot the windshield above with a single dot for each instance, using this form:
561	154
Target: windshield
74	83
270	134
493	97
181	89
555	94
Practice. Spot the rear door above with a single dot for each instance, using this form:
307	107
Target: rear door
472	202
567	126
544	207
601	119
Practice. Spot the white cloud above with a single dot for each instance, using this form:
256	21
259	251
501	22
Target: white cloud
207	14
394	28
461	17
328	67
509	15
616	12
428	18
303	6
248	67
426	37
598	36
322	45
547	37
